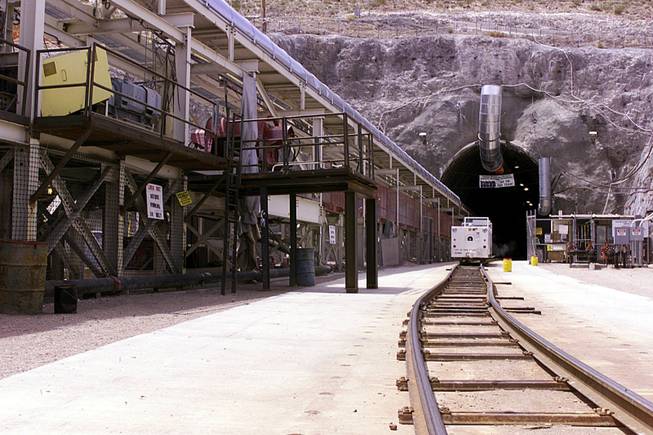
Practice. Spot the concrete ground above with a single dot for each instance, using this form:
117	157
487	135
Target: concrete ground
312	361
602	317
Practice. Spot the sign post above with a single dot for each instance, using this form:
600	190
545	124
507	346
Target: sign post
154	199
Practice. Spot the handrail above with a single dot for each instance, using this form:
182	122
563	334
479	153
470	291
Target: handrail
90	84
359	159
18	81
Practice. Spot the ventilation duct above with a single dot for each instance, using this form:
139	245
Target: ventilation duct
489	129
544	167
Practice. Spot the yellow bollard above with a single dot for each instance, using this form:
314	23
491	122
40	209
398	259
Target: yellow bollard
507	265
534	260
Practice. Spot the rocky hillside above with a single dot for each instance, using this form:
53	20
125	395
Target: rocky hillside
554	96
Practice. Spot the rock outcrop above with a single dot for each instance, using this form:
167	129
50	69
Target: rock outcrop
553	99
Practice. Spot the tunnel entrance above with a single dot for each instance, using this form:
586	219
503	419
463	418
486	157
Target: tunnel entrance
506	207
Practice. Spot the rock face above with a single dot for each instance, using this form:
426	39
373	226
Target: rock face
553	99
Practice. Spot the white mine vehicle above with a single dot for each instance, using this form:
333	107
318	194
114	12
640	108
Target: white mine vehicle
473	240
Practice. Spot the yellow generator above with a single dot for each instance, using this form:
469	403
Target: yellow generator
70	68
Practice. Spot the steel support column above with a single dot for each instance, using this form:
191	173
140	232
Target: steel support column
397	208
43	187
293	240
265	240
351	272
318	132
420	239
430	260
26	179
114	217
371	243
32	25
182	96
177	224
439	245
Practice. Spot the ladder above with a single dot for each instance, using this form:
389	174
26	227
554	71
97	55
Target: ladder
231	207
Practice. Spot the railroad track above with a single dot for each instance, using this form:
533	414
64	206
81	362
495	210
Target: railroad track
473	368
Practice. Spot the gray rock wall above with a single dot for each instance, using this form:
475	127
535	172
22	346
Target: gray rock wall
552	100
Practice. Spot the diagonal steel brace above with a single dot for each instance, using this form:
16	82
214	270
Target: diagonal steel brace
149	226
78	223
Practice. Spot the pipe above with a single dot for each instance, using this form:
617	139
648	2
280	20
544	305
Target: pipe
111	284
489	129
546	202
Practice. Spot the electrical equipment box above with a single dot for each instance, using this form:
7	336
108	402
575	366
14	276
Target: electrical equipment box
472	240
71	68
621	231
135	102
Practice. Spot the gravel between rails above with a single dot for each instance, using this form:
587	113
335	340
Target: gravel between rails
27	342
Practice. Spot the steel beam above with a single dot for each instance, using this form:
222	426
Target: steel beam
5	160
293	239
74	214
198	204
61	164
153	173
79	248
64	224
136	10
149	226
120	25
266	98
265	240
202	238
123	25
351	271
208	68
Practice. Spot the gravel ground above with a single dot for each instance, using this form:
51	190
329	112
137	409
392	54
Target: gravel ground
27	341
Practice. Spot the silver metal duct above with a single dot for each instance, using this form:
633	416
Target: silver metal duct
489	128
544	166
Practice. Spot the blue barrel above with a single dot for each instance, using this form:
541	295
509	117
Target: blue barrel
305	267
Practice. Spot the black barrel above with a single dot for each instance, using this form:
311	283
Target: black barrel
305	267
22	276
65	299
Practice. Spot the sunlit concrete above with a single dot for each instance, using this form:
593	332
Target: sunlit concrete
609	326
312	361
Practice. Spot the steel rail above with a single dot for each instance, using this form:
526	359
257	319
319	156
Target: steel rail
629	408
426	412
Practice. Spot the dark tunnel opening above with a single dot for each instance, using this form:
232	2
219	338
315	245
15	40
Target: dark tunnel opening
506	207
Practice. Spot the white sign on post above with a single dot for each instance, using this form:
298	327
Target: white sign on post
154	199
332	234
496	181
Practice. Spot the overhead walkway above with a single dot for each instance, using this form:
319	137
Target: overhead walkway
233	106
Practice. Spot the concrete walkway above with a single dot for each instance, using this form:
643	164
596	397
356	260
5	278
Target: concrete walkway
314	361
609	327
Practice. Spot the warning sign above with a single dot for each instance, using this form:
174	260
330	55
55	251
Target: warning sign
184	198
332	234
496	181
154	199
